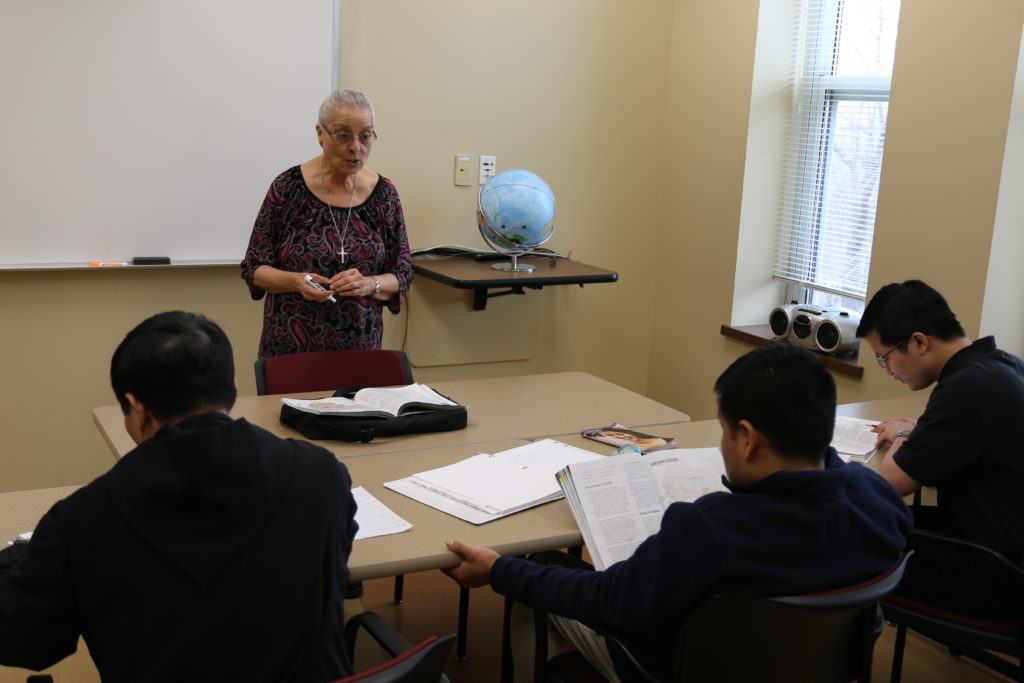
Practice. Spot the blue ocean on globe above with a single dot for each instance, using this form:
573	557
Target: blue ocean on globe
516	210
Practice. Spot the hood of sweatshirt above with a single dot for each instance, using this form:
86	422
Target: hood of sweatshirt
199	490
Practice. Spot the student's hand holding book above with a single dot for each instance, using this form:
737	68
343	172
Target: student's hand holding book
475	568
888	430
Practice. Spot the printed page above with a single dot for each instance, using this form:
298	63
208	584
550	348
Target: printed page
620	501
686	474
392	399
333	405
853	439
374	517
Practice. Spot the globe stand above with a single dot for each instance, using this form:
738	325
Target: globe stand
514	266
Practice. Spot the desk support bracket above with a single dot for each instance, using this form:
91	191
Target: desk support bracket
482	294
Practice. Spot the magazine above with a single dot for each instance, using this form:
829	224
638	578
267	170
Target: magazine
620	435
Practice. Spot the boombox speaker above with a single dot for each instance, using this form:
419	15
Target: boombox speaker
832	330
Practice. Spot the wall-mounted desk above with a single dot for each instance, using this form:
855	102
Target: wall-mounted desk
467	273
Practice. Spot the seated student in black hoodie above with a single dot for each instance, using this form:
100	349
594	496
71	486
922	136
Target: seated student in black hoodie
213	551
797	520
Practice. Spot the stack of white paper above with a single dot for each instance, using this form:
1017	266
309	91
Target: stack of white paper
853	439
486	487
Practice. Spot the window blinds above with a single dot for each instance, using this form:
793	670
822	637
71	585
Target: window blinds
835	142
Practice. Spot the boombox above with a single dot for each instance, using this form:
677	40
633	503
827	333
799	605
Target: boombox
832	330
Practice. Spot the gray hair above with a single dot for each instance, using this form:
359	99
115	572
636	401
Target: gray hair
344	98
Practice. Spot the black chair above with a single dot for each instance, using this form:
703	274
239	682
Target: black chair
815	638
962	634
422	663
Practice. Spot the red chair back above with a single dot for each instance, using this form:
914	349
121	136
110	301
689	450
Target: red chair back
331	370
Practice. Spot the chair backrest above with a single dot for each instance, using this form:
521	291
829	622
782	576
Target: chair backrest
815	638
1002	572
424	663
331	370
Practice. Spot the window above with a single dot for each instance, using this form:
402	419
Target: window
836	137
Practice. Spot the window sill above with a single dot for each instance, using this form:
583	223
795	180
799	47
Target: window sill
761	335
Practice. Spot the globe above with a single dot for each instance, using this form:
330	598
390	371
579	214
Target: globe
515	212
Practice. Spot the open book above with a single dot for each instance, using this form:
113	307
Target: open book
385	402
489	486
618	501
854	439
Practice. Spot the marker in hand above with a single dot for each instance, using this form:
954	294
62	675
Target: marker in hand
317	285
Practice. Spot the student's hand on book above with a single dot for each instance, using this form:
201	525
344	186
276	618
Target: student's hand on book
475	568
887	429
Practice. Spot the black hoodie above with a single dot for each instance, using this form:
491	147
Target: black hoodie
213	551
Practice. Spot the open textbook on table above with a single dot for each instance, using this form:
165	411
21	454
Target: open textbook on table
489	486
619	501
854	439
385	402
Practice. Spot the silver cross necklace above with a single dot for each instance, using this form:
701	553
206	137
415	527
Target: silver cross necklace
348	217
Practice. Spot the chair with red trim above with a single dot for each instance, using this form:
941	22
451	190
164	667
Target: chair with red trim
963	635
422	663
331	370
813	638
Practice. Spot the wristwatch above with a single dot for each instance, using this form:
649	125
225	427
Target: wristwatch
904	433
376	285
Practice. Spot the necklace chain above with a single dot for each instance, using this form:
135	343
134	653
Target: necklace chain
330	209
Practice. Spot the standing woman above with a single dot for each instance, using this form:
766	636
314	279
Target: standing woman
340	222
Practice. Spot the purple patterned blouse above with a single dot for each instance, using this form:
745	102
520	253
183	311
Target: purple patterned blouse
294	232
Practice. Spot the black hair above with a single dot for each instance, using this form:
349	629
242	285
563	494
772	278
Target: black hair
175	363
900	309
785	392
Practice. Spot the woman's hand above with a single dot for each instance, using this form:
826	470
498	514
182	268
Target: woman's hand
353	283
276	281
308	291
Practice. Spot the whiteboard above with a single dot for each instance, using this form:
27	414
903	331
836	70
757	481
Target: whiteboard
152	127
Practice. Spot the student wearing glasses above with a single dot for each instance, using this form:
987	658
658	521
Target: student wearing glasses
966	444
340	223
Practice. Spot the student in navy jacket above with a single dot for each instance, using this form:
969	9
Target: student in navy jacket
214	551
797	520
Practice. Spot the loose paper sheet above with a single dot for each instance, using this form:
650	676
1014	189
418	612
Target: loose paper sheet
374	517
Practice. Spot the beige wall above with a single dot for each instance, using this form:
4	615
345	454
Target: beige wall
59	330
1003	314
944	153
952	88
637	113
